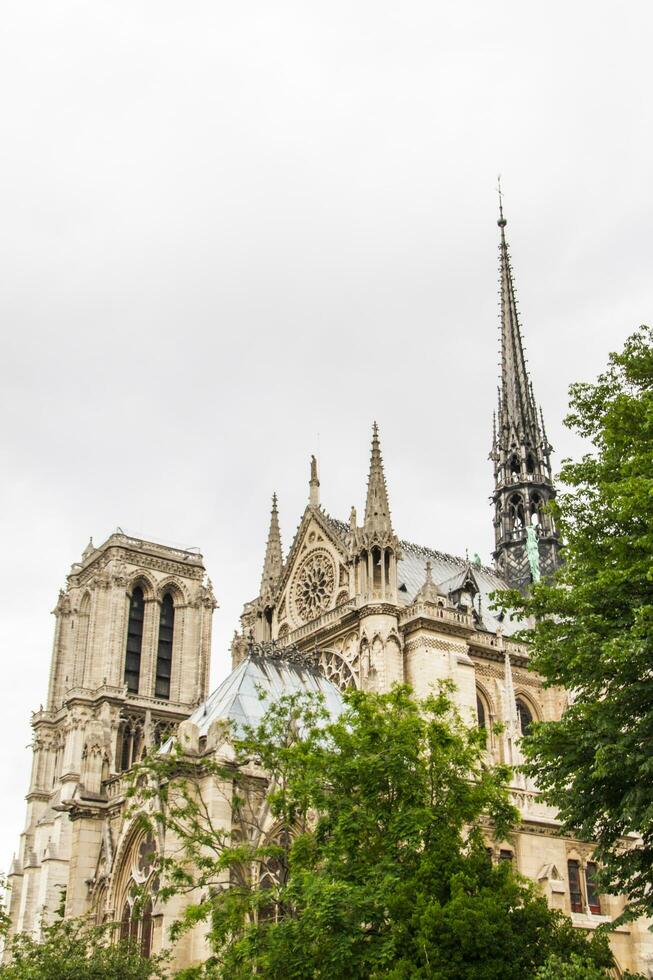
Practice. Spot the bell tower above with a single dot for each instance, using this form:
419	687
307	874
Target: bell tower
526	541
130	661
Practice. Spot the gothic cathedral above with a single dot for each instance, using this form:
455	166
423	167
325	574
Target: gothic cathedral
350	604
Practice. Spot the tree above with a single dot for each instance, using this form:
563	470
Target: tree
593	628
74	948
360	849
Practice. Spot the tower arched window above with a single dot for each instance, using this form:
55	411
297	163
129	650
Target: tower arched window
525	716
516	505
164	650
536	508
134	640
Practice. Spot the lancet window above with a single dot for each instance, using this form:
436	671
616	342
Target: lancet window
134	640
516	510
136	917
164	651
525	716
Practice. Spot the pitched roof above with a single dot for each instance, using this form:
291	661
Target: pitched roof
411	575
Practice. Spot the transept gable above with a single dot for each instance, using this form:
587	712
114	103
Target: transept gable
315	575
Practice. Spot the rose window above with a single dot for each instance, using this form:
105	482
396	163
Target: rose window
314	586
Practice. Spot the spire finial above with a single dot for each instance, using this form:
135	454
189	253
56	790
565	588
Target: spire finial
502	221
314	485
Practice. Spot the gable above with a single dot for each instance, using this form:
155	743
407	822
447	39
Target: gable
316	575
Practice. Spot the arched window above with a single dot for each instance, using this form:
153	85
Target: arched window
593	898
480	711
164	652
83	620
134	640
146	929
516	506
136	921
575	893
514	466
530	464
124	921
525	716
536	508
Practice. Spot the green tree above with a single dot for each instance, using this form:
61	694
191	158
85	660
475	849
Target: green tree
593	631
377	866
74	949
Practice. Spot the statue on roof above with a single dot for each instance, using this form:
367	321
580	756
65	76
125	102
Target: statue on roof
533	552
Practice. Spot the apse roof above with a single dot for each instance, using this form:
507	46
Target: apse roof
446	569
257	682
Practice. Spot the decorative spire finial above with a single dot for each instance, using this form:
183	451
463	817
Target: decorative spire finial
502	221
314	485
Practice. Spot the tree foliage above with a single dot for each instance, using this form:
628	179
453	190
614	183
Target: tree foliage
359	850
593	631
72	949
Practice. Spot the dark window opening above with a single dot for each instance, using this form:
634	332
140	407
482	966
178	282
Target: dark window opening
124	922
505	855
376	568
146	929
516	511
134	640
480	711
530	464
593	898
514	465
525	717
136	927
164	652
575	893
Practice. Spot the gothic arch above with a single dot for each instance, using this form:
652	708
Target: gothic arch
145	583
175	589
525	700
131	839
523	694
483	692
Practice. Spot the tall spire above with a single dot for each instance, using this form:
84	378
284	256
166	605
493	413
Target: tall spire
273	563
520	449
377	509
517	410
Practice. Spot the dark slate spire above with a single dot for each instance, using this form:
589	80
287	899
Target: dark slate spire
517	410
520	449
273	563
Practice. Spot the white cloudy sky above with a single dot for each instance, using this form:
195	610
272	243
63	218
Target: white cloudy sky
233	234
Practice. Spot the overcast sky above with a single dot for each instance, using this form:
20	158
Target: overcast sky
233	234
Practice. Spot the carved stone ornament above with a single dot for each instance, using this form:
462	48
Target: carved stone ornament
314	585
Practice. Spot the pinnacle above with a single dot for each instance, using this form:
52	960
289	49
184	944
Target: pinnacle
273	563
377	508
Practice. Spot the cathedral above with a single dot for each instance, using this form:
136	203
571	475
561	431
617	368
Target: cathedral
350	604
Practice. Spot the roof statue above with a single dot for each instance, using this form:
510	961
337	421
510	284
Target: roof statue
314	484
533	552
